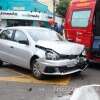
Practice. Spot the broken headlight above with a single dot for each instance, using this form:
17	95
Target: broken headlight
51	55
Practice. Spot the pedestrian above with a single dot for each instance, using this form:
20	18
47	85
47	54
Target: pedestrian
56	27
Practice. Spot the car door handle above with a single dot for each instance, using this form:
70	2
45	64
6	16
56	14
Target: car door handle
11	47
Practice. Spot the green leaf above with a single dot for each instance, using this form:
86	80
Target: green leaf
62	7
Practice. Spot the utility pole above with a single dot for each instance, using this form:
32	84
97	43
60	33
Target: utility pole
54	4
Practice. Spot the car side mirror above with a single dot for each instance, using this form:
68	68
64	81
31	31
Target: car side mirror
24	42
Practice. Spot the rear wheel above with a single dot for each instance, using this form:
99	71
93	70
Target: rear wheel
35	70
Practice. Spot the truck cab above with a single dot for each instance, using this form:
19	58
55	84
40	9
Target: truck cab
82	25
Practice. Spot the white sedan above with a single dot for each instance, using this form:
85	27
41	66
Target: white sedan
42	50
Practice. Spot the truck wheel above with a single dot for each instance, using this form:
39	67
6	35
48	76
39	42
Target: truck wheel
35	70
1	63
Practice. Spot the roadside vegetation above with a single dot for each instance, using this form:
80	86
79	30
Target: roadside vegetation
61	8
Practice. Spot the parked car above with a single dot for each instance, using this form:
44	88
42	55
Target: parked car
42	50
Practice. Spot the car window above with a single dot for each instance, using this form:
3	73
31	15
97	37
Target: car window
6	34
80	18
20	37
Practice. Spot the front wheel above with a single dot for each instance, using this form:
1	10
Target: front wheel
35	70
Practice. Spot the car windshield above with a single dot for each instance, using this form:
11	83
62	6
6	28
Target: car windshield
45	34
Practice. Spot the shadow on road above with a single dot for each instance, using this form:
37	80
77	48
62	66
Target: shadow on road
16	68
80	76
29	73
95	66
92	70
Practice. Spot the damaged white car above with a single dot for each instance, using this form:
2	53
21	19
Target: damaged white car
42	50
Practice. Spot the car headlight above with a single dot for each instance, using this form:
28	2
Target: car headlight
51	55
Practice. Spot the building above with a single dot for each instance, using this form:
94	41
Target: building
25	5
23	12
49	3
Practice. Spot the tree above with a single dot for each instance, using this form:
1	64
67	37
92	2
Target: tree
62	7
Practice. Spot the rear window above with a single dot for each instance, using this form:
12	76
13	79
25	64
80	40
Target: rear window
80	18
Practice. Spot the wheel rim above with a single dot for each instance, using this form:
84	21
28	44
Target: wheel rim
36	71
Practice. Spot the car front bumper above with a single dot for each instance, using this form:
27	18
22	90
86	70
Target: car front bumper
62	67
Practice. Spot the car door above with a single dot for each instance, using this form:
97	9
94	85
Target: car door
21	49
79	24
5	45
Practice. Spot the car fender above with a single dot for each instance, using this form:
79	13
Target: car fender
40	53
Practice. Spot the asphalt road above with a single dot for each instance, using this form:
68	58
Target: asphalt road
18	84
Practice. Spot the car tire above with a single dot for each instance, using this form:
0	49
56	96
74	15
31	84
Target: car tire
35	70
1	63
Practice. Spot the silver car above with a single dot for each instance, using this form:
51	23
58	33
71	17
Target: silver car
42	50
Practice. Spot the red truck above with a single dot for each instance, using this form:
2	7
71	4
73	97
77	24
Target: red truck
82	25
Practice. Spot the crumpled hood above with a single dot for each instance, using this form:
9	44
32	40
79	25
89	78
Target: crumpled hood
62	47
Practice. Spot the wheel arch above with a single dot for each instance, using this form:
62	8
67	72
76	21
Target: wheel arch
34	57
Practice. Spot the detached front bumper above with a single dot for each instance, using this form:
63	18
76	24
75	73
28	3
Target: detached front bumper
62	67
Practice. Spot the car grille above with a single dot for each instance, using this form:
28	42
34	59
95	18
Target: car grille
68	56
64	69
50	70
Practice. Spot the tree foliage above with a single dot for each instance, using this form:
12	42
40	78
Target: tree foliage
62	7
